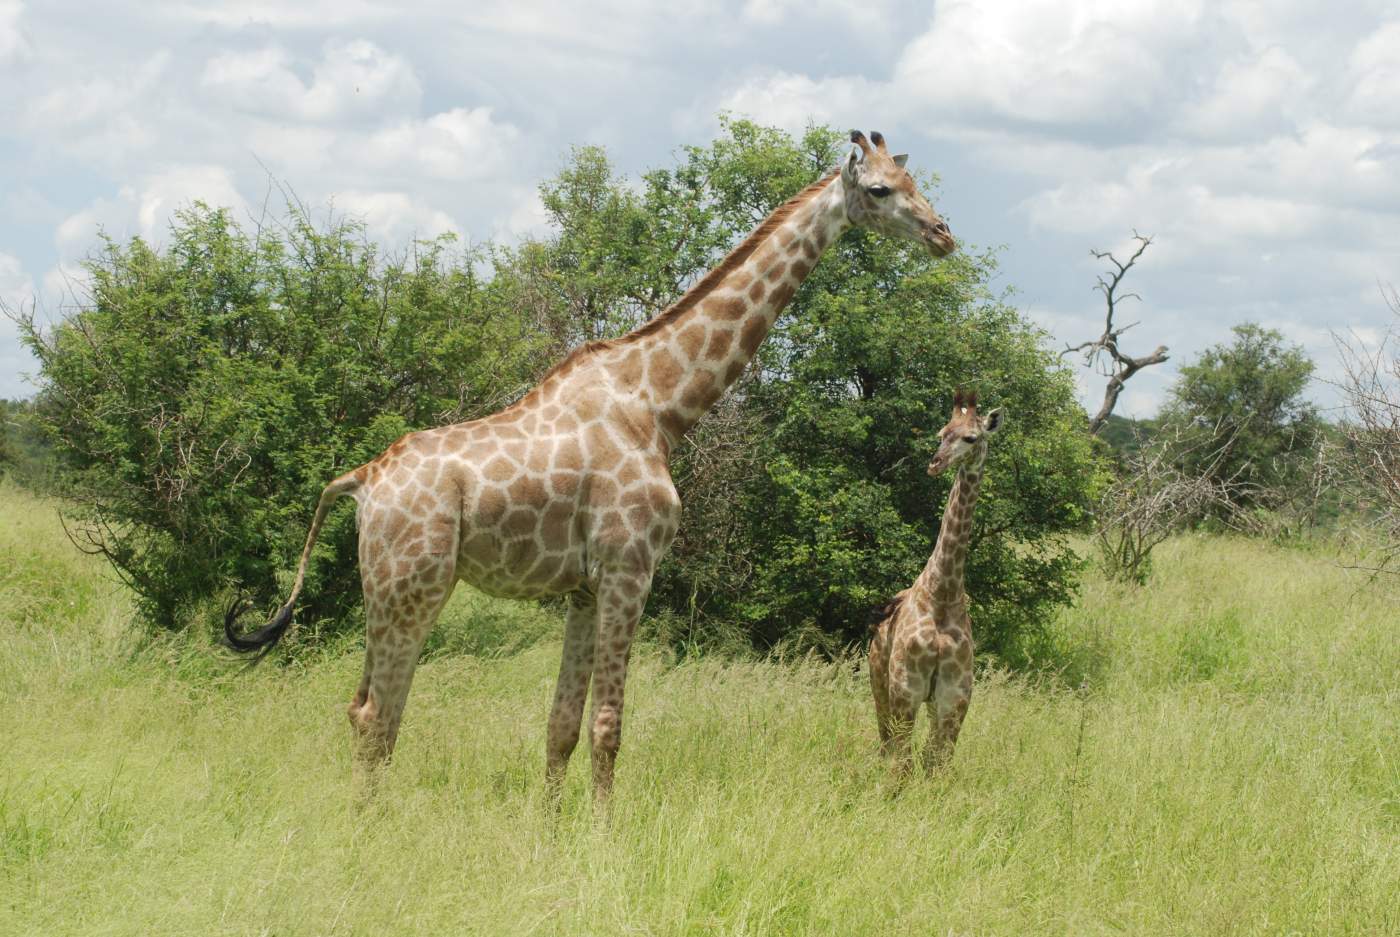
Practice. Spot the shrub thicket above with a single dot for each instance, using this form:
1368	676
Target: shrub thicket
203	394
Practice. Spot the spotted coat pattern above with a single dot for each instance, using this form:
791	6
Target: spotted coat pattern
921	651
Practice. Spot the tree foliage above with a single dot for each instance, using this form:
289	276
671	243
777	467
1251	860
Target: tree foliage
204	393
1242	409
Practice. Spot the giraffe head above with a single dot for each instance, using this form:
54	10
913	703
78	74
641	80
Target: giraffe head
964	438
881	196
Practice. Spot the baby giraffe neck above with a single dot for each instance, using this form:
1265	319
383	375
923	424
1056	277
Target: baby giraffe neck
943	575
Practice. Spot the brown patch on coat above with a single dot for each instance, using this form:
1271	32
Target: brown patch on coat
755	330
664	372
700	392
691	339
720	341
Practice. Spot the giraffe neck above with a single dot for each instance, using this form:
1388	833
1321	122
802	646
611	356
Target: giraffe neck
700	346
943	576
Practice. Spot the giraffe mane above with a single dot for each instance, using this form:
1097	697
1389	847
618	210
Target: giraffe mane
734	259
707	285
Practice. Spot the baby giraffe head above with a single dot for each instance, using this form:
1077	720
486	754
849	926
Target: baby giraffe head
964	439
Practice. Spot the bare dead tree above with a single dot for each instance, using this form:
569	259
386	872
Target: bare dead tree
1103	353
1371	387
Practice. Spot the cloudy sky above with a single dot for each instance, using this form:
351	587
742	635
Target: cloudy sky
1259	142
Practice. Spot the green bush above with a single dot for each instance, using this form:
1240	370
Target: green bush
204	394
1243	420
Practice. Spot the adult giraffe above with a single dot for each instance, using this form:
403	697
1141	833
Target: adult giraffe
568	491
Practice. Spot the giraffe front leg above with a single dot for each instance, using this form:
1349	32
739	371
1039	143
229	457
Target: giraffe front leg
575	670
952	694
621	597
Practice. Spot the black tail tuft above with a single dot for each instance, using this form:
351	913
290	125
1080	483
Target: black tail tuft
262	640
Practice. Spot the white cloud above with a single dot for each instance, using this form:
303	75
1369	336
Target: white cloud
16	295
870	15
1251	98
353	78
1375	70
1046	63
305	14
463	143
101	117
528	218
145	209
395	218
790	101
16	286
14	47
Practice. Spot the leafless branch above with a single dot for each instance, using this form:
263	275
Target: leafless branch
1103	353
1371	456
1153	497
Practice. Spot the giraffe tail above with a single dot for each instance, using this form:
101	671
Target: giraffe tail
265	638
880	613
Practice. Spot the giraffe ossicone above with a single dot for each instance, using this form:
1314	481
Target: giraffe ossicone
921	651
568	490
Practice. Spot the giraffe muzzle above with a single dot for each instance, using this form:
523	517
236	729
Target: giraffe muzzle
940	240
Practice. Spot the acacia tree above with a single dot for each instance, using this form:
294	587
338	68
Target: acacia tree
1242	408
1103	353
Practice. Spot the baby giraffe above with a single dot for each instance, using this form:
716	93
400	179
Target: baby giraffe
922	649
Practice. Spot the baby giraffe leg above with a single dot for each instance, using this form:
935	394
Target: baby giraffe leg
951	695
908	687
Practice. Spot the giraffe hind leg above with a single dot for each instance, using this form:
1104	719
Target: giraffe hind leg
879	666
400	610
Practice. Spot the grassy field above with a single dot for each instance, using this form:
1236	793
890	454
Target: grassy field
1231	766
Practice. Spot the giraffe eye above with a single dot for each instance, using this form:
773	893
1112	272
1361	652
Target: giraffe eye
879	191
969	439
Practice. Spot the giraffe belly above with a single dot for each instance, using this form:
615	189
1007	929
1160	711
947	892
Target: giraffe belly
522	562
535	577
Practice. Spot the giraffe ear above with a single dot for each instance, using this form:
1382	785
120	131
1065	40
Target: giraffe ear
850	169
901	159
992	421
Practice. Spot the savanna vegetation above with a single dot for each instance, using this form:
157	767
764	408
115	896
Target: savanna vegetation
1185	715
1225	764
202	394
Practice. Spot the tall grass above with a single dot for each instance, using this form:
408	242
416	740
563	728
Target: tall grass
1227	763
